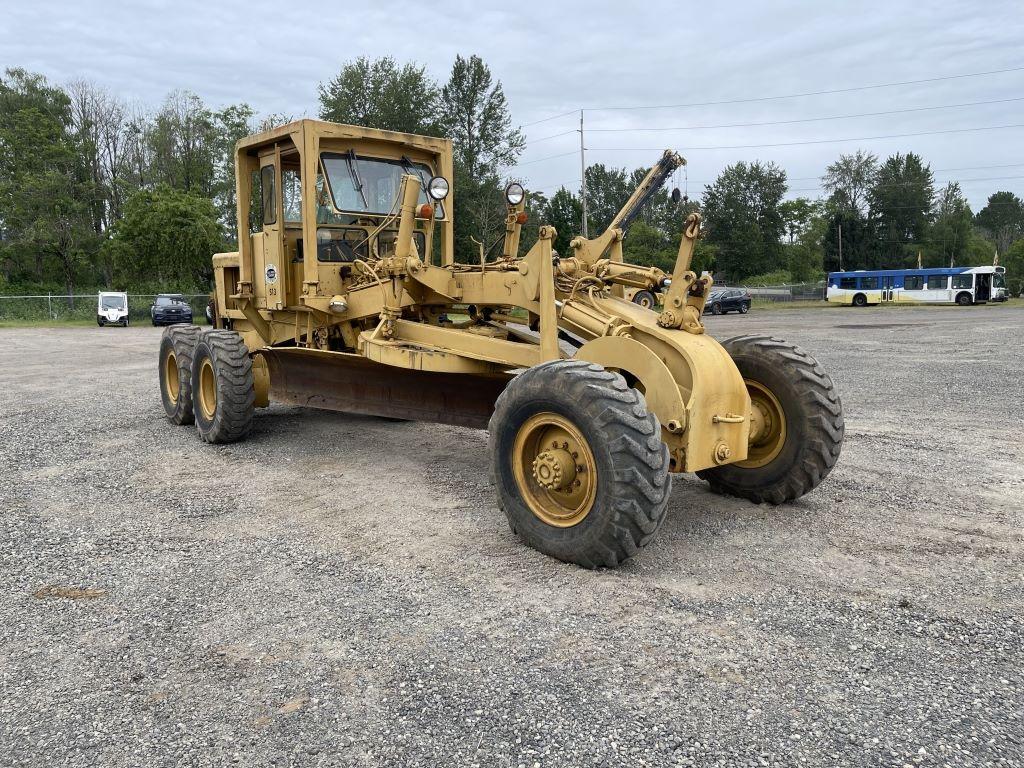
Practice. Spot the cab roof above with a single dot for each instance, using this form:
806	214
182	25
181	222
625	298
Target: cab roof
321	129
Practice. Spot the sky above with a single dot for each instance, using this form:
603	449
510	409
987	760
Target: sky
556	57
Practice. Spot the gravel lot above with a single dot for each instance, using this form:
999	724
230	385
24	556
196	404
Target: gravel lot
342	590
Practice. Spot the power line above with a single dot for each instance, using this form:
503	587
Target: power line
555	136
815	141
547	119
542	159
787	95
909	183
801	120
937	181
813	93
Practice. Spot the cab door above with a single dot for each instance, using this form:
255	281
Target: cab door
269	269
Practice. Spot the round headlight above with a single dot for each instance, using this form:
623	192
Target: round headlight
438	188
515	193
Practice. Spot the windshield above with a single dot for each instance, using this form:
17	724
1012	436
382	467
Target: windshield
112	302
370	184
166	301
998	281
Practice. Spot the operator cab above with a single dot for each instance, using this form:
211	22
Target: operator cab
313	188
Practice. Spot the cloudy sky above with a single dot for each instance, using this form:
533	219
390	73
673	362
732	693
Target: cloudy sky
555	57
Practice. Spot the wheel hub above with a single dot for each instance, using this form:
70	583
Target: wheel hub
767	426
171	377
554	469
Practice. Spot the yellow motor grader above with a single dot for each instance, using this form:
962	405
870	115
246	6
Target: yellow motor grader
346	295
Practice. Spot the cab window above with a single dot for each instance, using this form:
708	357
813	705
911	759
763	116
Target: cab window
291	196
269	196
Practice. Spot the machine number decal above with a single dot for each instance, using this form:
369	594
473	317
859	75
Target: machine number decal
271	273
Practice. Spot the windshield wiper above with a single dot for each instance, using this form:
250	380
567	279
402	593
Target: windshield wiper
353	168
408	167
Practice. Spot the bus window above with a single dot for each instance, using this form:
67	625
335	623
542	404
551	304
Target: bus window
869	283
848	283
913	283
938	282
963	281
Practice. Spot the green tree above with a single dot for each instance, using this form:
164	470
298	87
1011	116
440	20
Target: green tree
743	216
184	144
900	201
608	189
797	215
848	181
167	237
563	212
950	233
380	93
1002	219
46	229
476	117
1013	260
231	124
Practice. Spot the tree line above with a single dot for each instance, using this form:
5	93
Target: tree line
98	192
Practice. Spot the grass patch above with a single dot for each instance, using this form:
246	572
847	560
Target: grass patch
47	323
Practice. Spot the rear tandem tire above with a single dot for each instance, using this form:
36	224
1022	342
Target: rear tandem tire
795	458
177	349
222	387
579	465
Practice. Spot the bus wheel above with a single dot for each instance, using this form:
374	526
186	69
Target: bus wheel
964	300
860	300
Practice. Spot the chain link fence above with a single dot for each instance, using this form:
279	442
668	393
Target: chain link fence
77	307
788	293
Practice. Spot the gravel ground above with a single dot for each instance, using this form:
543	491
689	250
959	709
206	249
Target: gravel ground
341	590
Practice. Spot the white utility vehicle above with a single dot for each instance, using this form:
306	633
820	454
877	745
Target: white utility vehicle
112	309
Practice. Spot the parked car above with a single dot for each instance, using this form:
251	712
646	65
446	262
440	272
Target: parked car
112	308
723	300
170	308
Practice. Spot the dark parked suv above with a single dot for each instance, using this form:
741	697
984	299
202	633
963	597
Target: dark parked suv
170	308
724	300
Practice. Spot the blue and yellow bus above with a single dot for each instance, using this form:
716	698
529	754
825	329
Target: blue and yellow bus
952	285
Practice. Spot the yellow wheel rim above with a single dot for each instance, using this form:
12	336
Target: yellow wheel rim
207	389
645	302
555	470
171	384
767	426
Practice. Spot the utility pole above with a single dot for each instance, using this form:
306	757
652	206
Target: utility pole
840	247
583	177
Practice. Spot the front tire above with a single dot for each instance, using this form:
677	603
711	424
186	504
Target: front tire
580	468
860	300
222	387
177	350
744	308
799	420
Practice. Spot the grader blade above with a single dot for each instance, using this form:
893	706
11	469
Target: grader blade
354	384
